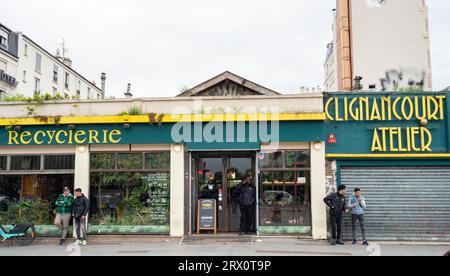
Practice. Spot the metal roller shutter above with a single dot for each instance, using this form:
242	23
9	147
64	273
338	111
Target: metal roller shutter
404	203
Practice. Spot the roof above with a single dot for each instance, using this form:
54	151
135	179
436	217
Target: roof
228	77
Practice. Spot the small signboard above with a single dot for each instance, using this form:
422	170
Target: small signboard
207	215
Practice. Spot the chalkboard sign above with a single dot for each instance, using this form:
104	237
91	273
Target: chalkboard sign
207	215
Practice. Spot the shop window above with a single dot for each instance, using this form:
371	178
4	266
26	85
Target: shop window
272	160
105	161
129	161
26	163
31	198
59	162
135	192
3	163
157	160
285	189
297	159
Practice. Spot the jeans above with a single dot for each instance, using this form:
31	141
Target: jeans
80	225
62	221
360	218
336	226
247	218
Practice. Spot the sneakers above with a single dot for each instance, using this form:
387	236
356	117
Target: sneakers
365	243
355	242
340	242
62	241
333	242
78	242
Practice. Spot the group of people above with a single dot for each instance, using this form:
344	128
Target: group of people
338	205
68	206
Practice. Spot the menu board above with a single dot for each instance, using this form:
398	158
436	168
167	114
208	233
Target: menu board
207	215
159	197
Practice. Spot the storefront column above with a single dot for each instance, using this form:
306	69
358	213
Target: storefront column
318	191
177	191
82	167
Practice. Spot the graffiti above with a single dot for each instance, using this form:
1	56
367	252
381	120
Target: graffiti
404	79
375	3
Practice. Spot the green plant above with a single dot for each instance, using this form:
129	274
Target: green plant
35	211
31	110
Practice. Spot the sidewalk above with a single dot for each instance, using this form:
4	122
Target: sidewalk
160	246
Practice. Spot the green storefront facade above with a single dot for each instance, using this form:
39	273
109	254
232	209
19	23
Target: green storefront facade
396	148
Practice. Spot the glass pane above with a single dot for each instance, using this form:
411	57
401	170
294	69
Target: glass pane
59	162
297	159
103	161
26	163
26	199
285	198
130	199
129	161
2	163
271	160
157	160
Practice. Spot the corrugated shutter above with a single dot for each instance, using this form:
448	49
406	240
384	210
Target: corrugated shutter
404	203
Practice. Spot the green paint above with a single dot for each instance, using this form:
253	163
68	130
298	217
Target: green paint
357	136
201	135
108	230
277	230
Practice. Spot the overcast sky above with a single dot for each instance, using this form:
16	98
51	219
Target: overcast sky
161	46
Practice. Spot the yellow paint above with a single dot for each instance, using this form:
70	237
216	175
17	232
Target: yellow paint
355	116
397	155
394	110
83	120
61	137
405	108
391	139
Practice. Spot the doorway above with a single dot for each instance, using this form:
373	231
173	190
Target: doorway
216	176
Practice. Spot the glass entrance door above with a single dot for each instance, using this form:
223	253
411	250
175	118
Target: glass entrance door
216	177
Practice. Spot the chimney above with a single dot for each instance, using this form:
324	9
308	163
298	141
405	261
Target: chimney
103	85
67	62
128	94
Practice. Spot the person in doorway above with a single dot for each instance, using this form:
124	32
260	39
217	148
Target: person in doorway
337	204
64	213
245	195
80	212
357	205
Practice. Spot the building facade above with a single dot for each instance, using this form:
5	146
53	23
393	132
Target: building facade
396	148
386	43
27	68
148	173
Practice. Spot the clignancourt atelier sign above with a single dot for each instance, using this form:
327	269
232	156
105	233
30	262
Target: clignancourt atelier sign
396	123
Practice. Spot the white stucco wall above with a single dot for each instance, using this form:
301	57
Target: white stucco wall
27	62
305	103
390	43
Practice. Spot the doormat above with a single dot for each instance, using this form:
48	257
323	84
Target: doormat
215	239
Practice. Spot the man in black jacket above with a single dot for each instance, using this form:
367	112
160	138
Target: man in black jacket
337	204
245	194
80	209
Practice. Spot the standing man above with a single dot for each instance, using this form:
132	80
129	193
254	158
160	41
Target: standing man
357	205
63	213
245	194
337	204
80	212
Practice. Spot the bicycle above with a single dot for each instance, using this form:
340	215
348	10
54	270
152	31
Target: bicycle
23	234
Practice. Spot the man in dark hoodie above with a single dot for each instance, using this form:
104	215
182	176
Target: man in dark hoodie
245	194
80	209
337	204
